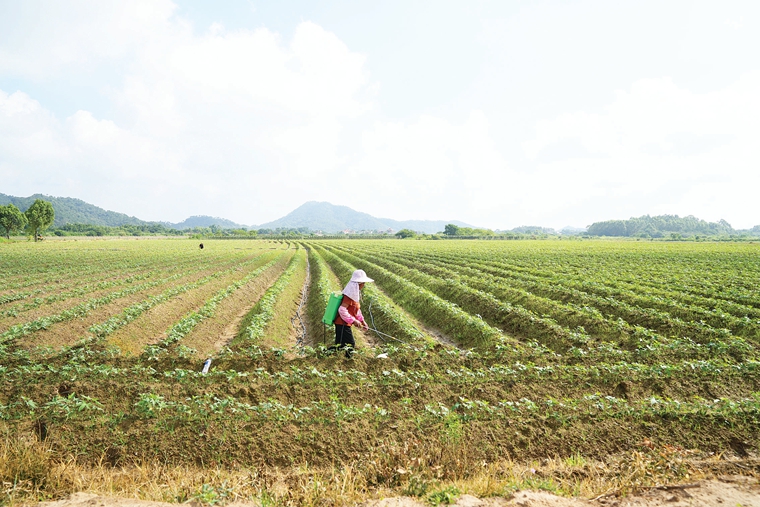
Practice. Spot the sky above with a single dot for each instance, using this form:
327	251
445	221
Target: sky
495	113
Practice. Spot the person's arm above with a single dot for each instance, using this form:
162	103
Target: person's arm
360	318
347	318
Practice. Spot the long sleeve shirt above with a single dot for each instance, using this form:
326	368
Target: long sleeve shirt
348	312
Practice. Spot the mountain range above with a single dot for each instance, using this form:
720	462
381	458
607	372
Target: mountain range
316	216
69	210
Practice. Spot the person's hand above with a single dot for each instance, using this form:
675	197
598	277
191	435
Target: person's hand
365	326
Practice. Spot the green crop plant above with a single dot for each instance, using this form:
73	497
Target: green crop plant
64	407
380	309
445	496
465	328
188	323
150	404
257	320
322	285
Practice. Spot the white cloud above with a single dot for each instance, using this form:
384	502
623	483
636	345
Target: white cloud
315	74
649	113
43	38
211	123
658	140
81	156
432	168
28	132
247	124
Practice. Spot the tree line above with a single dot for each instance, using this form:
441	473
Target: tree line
454	231
661	226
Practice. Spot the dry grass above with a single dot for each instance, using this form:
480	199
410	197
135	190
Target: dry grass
30	471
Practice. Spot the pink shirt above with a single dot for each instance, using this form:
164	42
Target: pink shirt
347	317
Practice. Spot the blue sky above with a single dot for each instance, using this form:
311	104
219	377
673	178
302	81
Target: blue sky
499	114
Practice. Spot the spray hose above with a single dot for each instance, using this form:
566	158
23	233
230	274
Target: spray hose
374	328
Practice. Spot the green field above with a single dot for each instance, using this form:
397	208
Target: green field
572	366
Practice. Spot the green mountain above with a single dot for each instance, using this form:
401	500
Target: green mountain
74	211
329	218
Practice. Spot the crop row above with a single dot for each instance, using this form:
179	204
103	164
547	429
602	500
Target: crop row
100	276
103	329
513	318
560	324
379	310
77	292
207	311
596	284
320	288
588	318
86	307
261	314
633	299
51	268
78	311
465	329
564	412
391	375
677	274
98	332
65	276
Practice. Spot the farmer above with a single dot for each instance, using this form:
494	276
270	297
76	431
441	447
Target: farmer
350	312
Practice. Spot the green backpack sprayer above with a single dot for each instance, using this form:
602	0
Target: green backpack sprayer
333	303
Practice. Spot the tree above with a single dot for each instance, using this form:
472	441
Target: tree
451	230
40	216
12	219
406	233
608	228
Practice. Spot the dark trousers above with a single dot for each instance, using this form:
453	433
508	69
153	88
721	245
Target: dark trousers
344	338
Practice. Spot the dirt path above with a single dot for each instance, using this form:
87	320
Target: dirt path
439	336
728	491
298	320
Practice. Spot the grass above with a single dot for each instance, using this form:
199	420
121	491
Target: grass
32	471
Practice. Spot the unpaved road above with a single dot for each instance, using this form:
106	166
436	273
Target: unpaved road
727	491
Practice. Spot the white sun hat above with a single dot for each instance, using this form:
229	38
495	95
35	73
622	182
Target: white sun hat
359	276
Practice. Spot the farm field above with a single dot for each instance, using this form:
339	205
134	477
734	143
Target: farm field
580	367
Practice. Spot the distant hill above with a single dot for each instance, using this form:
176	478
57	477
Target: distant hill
206	221
74	211
329	218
